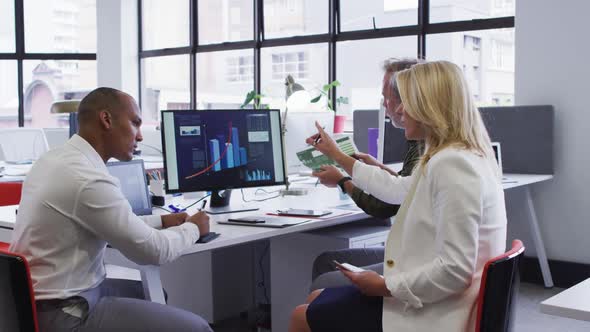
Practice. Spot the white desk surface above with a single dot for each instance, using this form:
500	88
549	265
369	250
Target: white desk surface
233	235
573	302
319	197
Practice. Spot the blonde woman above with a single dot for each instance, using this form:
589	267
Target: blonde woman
451	222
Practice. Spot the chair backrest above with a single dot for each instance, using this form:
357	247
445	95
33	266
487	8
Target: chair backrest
17	299
10	193
499	287
23	144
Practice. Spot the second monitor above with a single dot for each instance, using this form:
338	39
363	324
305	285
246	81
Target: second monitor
215	150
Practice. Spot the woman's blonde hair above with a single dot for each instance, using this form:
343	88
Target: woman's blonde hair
437	96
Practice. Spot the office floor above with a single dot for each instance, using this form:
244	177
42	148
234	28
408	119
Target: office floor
528	316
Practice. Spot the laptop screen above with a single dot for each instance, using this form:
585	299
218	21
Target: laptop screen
131	175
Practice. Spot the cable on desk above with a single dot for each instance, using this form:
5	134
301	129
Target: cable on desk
260	264
259	190
197	201
161	208
257	200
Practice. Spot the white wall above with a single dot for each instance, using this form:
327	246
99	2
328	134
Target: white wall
553	67
116	45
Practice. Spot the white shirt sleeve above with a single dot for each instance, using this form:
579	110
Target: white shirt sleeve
380	183
103	210
154	221
456	190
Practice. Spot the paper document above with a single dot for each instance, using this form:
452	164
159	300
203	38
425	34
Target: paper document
314	159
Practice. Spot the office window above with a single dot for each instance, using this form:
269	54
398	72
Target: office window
295	64
370	14
225	21
165	24
60	26
286	18
307	64
471	42
502	54
165	85
297	38
360	70
489	69
240	69
8	94
217	89
7	26
48	80
460	10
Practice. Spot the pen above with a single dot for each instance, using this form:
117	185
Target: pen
203	205
317	139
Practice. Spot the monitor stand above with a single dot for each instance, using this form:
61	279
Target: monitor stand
220	203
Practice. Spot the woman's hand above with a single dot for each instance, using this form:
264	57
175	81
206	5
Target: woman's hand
370	160
323	142
328	175
369	283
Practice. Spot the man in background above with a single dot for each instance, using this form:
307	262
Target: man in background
323	273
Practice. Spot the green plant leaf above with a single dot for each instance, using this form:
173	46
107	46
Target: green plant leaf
249	97
335	83
326	87
316	99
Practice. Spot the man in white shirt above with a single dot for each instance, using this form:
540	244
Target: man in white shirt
71	208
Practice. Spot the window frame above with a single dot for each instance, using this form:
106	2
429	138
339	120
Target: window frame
334	35
20	55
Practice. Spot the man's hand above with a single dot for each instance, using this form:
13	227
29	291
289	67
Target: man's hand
328	175
370	160
201	219
173	219
369	283
323	142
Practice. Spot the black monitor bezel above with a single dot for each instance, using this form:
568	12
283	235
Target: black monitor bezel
176	191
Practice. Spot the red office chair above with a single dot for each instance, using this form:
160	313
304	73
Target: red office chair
10	193
16	292
498	291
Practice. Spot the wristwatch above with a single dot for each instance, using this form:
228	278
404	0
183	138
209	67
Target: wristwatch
342	181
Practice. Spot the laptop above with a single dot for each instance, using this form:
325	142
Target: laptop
131	175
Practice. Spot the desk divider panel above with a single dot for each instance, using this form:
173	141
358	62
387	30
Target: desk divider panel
525	134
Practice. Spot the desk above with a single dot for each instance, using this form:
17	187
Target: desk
320	197
573	302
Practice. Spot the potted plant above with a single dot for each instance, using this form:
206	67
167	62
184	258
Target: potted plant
254	98
339	120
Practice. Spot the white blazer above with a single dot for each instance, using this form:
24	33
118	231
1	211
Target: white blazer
455	222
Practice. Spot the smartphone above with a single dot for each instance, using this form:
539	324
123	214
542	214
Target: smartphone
303	213
348	267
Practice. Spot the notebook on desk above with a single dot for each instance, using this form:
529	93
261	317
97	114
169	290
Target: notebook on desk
266	221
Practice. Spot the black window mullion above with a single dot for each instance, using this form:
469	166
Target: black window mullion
20	52
140	49
423	22
332	30
258	35
194	41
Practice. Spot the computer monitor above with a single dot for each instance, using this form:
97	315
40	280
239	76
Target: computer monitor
216	150
131	175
